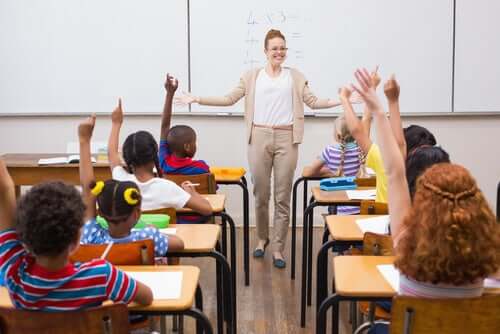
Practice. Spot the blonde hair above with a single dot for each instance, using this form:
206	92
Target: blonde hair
344	136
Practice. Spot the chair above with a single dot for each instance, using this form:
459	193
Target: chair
373	208
412	315
132	253
206	181
366	182
109	319
378	245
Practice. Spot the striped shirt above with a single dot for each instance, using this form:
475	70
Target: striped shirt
332	156
411	287
76	286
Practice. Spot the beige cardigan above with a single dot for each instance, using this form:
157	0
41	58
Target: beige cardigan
301	94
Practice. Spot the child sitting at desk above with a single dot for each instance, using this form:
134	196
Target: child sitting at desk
140	152
119	203
34	253
446	240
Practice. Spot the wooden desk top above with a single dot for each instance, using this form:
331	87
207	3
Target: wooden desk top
344	228
228	174
198	238
31	160
190	277
333	197
217	201
357	276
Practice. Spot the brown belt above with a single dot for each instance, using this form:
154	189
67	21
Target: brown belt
275	127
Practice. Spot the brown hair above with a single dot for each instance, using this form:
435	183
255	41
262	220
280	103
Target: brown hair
272	34
451	235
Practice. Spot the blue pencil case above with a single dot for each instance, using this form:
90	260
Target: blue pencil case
338	183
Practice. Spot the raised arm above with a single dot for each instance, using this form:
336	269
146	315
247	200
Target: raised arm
171	85
85	130
7	198
367	115
391	91
353	123
398	194
114	136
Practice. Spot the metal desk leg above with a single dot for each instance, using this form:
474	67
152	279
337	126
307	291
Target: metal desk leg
201	319
305	260
309	254
246	229
333	302
294	225
322	273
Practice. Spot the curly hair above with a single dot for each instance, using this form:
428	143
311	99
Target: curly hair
112	202
451	235
49	218
139	149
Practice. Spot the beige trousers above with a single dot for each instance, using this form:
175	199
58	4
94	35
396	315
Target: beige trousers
272	149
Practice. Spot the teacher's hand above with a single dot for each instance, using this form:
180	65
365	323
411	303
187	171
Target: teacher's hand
185	99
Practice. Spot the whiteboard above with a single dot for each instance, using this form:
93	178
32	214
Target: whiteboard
477	56
327	40
79	56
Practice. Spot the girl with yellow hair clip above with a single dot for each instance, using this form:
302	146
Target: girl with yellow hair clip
119	204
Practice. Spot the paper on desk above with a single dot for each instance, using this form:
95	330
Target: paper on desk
164	284
378	225
361	194
491	283
168	230
391	275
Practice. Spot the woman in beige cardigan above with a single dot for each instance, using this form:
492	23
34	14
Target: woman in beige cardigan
274	116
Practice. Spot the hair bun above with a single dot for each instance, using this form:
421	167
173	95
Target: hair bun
131	196
96	187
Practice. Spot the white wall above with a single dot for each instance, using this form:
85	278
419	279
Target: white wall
470	140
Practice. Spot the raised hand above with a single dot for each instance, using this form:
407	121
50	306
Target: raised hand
366	90
86	128
117	114
375	77
171	84
391	89
185	99
345	94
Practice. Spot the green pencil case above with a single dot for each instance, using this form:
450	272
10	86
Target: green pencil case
157	220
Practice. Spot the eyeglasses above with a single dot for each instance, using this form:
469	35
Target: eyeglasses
279	49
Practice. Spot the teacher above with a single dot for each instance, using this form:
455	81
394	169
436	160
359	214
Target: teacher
274	117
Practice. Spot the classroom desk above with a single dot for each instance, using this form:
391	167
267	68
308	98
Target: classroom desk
190	292
26	171
222	178
201	240
318	198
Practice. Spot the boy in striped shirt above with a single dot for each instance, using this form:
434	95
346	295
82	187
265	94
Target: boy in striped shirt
34	254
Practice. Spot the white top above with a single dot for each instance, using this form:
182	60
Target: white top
273	99
156	193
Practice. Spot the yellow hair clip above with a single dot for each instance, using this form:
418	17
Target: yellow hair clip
99	186
129	196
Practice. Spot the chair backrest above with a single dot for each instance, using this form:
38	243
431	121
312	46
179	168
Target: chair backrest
373	208
131	253
366	181
165	211
445	316
377	244
109	319
206	181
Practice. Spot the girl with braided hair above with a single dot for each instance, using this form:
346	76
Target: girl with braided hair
446	240
140	153
119	203
343	158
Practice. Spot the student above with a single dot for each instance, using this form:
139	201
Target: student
119	203
140	152
360	131
343	158
446	240
34	253
177	144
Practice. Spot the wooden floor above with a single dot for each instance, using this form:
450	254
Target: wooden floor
271	304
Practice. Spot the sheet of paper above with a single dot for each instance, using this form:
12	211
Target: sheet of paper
168	230
378	225
491	283
165	285
53	161
391	275
361	194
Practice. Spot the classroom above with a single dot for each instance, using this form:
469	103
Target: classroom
202	74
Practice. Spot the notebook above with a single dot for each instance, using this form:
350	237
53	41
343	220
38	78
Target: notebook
379	225
70	159
164	284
